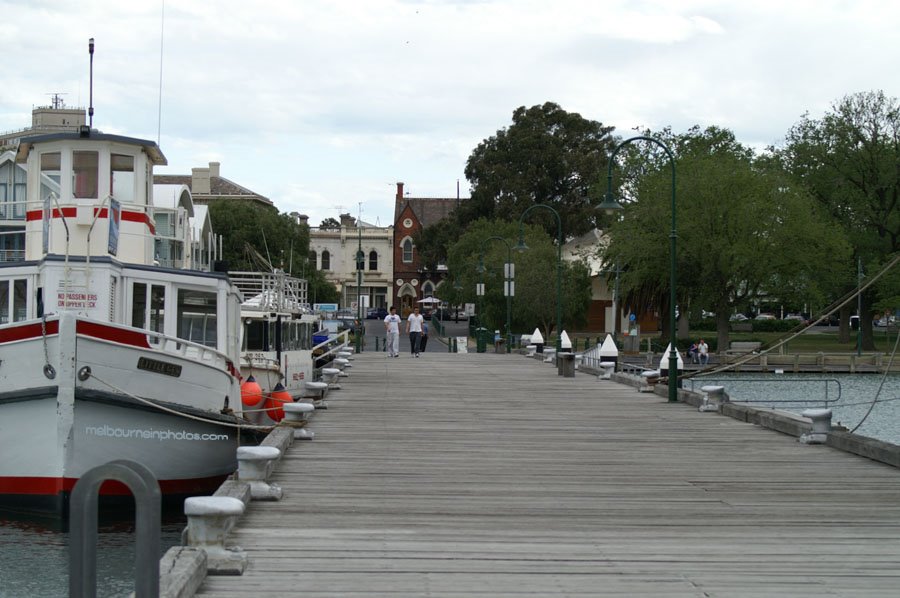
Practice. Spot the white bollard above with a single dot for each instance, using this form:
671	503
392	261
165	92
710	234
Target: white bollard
254	465
531	350
315	390
330	377
209	520
649	378
608	368
713	398
296	415
821	426
345	355
549	355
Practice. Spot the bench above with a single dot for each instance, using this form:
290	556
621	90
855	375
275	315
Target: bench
743	347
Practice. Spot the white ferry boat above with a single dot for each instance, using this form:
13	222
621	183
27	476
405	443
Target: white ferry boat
104	353
277	342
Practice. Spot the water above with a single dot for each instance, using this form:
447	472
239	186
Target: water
786	391
34	556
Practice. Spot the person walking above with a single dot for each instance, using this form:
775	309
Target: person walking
423	340
392	329
414	328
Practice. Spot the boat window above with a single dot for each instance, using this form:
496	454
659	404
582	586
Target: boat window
254	336
85	167
12	300
373	260
157	308
50	168
20	308
122	179
154	296
138	304
197	316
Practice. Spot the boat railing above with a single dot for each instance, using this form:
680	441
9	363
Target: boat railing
180	347
271	291
826	399
327	350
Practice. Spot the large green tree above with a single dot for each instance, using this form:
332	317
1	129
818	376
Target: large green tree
849	159
534	303
258	238
744	232
547	155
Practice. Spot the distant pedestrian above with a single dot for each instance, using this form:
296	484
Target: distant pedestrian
423	340
392	328
693	355
414	328
703	351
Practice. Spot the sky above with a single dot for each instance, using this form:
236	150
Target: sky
324	105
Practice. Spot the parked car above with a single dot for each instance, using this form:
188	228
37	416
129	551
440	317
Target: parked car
738	318
796	318
765	317
376	313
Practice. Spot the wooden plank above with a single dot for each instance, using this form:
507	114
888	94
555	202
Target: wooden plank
484	474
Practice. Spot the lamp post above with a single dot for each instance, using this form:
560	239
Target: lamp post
360	262
522	247
610	204
509	288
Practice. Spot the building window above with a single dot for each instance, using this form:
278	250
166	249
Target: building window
313	260
373	260
427	289
326	260
407	251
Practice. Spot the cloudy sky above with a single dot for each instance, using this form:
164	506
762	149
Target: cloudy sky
323	104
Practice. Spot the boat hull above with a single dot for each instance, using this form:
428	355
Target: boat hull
98	407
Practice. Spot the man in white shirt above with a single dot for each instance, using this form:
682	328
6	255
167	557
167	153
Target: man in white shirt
392	328
703	350
414	328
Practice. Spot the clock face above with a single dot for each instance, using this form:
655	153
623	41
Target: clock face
407	223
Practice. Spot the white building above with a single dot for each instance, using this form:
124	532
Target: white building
334	253
604	303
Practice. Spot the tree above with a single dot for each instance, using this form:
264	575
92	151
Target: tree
534	303
848	159
330	224
744	232
276	237
547	155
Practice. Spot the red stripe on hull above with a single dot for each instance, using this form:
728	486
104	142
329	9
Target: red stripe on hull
19	333
47	486
110	333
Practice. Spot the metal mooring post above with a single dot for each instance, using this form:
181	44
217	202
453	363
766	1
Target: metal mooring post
83	528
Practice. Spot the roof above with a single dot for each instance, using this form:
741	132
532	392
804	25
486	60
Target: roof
150	147
429	210
218	186
172	196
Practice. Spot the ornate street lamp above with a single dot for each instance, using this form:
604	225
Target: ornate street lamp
610	205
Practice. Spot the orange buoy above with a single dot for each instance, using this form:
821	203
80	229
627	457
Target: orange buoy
274	404
251	392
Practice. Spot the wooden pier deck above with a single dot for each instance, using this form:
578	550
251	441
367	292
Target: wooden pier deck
489	475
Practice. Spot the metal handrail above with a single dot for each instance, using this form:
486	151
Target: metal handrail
826	381
83	531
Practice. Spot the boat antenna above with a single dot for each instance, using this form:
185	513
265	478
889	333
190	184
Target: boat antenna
291	260
162	27
91	87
